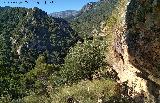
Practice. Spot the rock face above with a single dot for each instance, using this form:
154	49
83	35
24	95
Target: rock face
136	47
143	26
88	6
142	39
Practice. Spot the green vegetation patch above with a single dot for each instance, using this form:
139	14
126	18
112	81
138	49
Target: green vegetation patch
85	92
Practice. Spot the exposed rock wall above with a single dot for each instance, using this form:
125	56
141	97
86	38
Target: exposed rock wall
136	47
143	44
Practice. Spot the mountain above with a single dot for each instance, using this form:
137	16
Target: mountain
32	29
25	34
71	14
88	6
43	59
131	30
92	18
64	14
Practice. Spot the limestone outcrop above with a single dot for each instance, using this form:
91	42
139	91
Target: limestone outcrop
135	29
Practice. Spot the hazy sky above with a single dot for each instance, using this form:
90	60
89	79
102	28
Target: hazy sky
57	5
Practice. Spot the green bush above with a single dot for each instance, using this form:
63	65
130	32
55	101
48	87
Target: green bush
38	78
82	60
85	92
33	99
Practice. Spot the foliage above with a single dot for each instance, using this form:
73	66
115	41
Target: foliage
41	62
90	20
35	99
85	92
83	59
25	36
5	50
37	79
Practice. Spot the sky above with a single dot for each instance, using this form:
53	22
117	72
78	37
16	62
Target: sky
50	6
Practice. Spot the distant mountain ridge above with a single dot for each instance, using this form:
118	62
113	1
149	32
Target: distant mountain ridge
69	14
87	20
64	14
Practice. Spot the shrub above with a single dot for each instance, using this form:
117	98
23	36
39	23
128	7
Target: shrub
82	60
85	92
37	79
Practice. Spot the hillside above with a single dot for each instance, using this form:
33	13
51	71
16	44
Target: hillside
24	37
41	55
33	30
92	18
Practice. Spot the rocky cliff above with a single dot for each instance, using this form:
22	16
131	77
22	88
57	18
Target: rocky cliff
135	47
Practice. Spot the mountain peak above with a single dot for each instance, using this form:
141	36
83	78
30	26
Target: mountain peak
88	6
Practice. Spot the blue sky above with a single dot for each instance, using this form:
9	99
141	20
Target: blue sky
57	5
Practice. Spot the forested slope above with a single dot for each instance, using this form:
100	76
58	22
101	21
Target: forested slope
91	21
25	35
